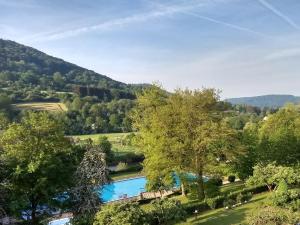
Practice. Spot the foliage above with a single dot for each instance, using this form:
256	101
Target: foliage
121	213
244	163
231	178
91	173
199	206
35	151
215	202
273	216
271	175
211	188
183	132
122	166
105	147
279	137
165	211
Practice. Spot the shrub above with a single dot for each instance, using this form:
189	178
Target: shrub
128	158
121	166
273	215
216	180
229	202
216	202
190	208
121	213
256	189
211	188
231	178
165	211
242	197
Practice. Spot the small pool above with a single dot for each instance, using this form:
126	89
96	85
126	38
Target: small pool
123	189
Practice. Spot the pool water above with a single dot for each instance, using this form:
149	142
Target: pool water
130	188
123	189
64	221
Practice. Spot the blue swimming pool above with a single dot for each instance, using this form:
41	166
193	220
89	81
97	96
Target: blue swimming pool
129	188
63	221
123	189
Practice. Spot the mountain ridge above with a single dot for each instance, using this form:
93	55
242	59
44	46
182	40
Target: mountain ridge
271	100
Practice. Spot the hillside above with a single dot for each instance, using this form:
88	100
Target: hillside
24	70
272	101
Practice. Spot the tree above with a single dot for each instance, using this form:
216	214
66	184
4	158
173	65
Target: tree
244	163
121	213
105	147
271	174
90	176
183	132
39	161
279	137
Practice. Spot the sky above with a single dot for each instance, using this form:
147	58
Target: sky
241	47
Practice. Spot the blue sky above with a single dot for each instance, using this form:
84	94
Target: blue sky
242	47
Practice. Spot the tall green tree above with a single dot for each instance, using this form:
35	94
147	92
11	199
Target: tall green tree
183	132
279	137
39	162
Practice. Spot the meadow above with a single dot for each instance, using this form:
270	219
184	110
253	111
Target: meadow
119	145
42	106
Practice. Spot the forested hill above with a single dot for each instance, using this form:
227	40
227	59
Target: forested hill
271	101
25	68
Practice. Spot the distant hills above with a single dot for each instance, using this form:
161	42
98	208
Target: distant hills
272	101
24	70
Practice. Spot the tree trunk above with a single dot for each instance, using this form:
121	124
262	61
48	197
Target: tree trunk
34	219
183	190
269	187
201	194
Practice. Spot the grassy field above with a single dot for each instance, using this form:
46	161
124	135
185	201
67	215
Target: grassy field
227	217
116	139
42	106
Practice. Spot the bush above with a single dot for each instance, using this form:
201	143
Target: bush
190	208
229	202
216	202
165	211
128	158
256	189
211	188
121	213
130	168
273	215
242	197
231	178
121	166
216	180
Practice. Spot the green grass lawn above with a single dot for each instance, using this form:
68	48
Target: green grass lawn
231	187
115	139
227	217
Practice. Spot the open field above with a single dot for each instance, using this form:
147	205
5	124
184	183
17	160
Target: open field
116	139
227	217
42	106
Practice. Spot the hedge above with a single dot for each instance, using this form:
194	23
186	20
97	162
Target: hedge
131	168
220	201
190	208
